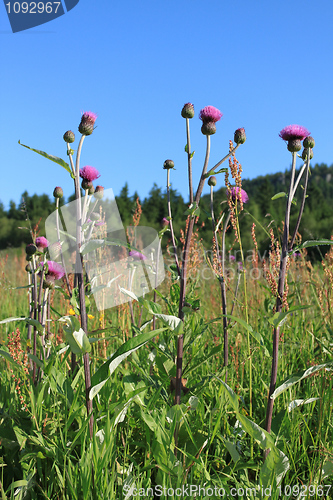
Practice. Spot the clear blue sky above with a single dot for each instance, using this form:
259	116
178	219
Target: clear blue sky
264	64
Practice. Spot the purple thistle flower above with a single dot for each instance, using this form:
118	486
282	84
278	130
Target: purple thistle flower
41	243
89	173
232	258
294	132
210	114
243	194
55	270
137	255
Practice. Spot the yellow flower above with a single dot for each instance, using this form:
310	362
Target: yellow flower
71	312
90	316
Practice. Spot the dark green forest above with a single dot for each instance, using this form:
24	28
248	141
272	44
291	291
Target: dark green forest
317	221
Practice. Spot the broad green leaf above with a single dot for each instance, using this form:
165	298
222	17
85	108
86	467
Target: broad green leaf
274	467
52	158
101	376
281	317
36	360
200	359
294	379
128	293
255	335
172	322
300	402
7	356
327	469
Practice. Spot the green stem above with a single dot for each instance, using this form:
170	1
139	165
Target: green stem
189	160
171	225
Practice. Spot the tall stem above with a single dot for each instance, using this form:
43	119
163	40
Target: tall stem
189	160
183	278
279	300
61	253
80	283
224	300
174	247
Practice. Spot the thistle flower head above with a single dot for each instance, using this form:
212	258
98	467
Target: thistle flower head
240	194
210	114
89	173
87	123
294	132
55	270
188	110
41	243
137	255
165	222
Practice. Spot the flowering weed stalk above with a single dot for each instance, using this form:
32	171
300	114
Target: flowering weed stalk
293	134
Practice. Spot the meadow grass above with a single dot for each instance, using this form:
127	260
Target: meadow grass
45	446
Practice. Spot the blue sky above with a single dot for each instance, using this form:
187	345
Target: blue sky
264	64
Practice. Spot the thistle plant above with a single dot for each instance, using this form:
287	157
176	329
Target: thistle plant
293	135
209	116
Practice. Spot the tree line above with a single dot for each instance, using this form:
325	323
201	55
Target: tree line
317	221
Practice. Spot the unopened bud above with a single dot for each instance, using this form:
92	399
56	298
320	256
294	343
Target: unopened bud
208	128
99	192
240	137
69	136
294	145
30	249
58	192
188	110
212	181
309	142
168	164
305	154
86	185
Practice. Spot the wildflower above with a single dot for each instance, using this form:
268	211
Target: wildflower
294	134
188	110
232	258
58	192
137	255
209	116
71	312
90	316
99	192
240	193
89	173
69	136
212	181
86	126
168	164
54	272
41	243
239	136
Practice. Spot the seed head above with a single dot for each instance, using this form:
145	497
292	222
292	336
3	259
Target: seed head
188	110
87	123
69	136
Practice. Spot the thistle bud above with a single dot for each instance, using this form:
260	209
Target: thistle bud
309	142
168	164
58	192
305	154
99	192
240	137
30	249
212	181
28	268
69	136
165	222
87	123
188	110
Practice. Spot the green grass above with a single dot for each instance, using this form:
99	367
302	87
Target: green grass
46	452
